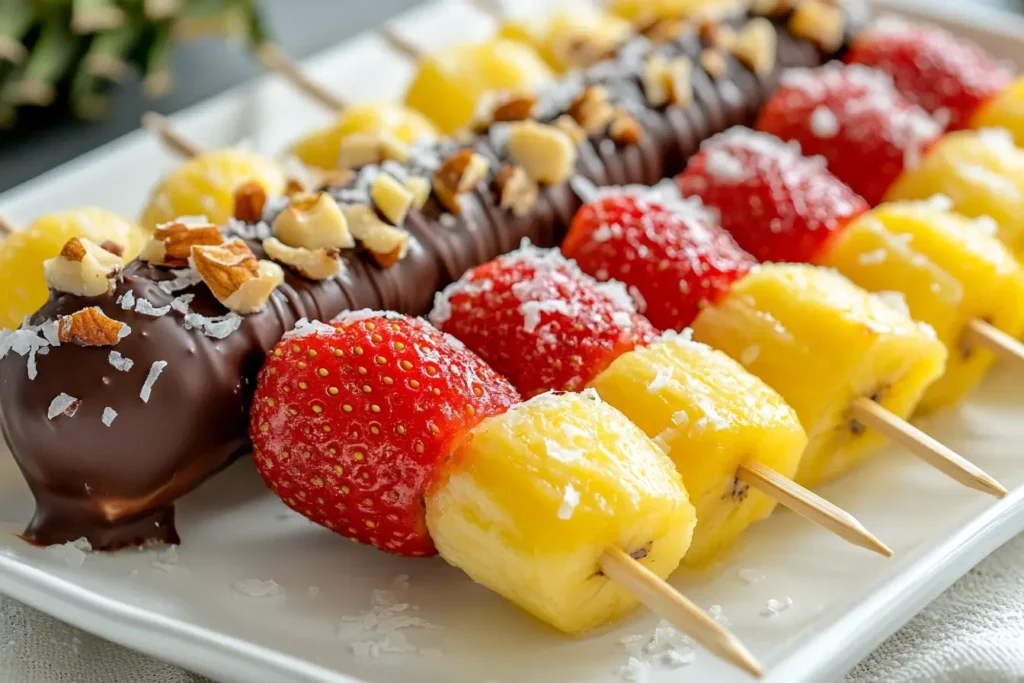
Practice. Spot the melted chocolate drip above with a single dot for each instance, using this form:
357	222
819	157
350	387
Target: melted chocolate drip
116	485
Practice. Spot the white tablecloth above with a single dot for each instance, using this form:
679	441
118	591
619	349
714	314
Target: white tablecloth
974	633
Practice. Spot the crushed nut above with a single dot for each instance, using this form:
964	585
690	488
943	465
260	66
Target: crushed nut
545	152
583	48
391	198
293	186
420	189
756	46
518	191
235	276
514	107
668	82
662	29
314	264
713	61
113	247
387	244
592	109
819	22
171	243
313	221
459	174
358	150
90	327
714	34
82	268
250	198
625	130
568	125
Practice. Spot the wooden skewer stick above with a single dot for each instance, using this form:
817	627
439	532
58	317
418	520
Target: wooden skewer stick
170	137
665	601
272	57
402	46
939	456
995	340
7	226
811	506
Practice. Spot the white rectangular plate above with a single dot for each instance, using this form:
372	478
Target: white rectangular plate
187	607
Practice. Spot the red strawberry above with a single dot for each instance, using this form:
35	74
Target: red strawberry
778	204
852	116
945	75
536	319
351	422
671	254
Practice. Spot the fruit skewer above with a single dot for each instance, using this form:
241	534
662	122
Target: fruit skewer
886	149
543	324
778	320
781	206
389	432
455	206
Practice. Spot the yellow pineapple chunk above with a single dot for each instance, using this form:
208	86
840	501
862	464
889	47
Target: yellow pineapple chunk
322	148
710	416
533	497
571	38
23	287
1005	110
205	186
822	342
949	271
450	83
982	172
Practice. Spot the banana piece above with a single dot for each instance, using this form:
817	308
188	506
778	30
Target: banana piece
535	496
822	342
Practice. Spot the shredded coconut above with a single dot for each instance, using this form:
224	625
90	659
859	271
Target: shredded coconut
154	375
895	300
29	341
664	647
660	381
775	607
305	328
109	415
217	327
570	499
532	310
144	307
824	123
63	404
120	362
638	298
72	553
387	619
183	279
127	300
257	588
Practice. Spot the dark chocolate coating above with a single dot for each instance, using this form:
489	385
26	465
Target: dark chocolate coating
116	485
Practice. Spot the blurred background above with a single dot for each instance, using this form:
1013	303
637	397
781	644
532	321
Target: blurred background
116	59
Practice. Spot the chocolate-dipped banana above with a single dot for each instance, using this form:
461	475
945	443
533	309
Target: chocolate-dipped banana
114	412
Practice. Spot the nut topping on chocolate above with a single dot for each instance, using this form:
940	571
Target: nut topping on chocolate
625	130
819	22
250	198
391	198
545	152
234	275
756	45
313	264
517	190
90	327
387	244
568	125
458	175
713	61
592	110
770	8
668	81
662	30
82	268
313	221
514	107
171	243
714	34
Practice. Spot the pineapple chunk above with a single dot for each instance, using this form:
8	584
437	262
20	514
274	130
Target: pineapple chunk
1005	110
450	83
949	271
533	497
571	38
821	342
982	172
322	148
23	287
205	186
710	416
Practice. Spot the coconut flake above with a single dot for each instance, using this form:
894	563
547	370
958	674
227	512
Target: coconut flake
120	362
126	300
660	381
570	499
154	375
775	607
824	123
532	310
109	415
217	327
144	307
306	328
183	279
72	553
63	404
257	588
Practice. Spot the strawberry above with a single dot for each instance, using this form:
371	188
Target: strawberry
932	68
670	254
852	116
539	321
352	421
776	203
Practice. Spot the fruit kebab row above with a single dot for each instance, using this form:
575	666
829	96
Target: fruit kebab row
170	344
546	326
853	367
783	207
386	431
885	148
